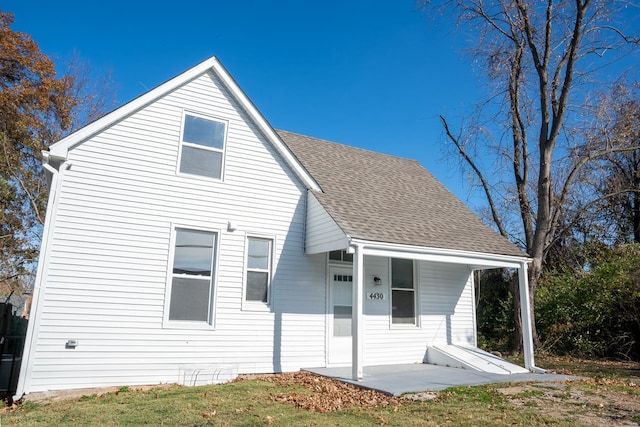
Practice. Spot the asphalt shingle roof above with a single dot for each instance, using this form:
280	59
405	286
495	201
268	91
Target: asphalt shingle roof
377	197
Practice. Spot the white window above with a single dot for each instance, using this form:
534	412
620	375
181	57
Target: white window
202	146
342	256
403	294
258	277
192	277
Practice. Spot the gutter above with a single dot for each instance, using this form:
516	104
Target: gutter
443	255
33	327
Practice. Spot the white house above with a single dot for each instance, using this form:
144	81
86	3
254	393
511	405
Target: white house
186	241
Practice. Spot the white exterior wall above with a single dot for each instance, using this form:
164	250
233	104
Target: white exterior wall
108	265
448	311
444	305
323	234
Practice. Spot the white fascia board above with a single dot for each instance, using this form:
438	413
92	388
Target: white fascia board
62	147
477	260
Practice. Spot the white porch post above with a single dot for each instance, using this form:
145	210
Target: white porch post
525	314
357	316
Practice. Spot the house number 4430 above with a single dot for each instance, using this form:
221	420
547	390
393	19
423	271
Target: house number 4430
375	295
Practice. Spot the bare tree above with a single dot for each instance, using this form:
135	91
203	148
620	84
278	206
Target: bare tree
616	177
541	59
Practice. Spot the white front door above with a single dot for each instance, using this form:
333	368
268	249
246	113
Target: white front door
341	294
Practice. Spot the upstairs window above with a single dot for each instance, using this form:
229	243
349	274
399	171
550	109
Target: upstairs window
202	146
403	293
258	269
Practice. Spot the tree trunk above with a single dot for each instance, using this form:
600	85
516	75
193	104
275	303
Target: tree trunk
635	198
516	338
636	217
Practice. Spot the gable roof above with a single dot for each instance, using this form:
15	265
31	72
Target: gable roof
62	147
382	198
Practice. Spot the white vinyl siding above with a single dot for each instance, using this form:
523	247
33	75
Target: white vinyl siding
111	244
322	233
444	309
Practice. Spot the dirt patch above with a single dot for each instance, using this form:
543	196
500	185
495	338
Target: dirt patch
597	402
59	395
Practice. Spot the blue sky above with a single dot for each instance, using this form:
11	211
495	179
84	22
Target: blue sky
374	74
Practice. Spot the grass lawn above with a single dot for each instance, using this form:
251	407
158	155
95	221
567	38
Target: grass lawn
610	396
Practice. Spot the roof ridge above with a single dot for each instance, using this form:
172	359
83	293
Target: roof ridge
351	147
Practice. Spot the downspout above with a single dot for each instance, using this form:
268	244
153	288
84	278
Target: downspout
525	313
43	260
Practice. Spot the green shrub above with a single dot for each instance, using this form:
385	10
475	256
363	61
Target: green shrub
495	311
593	312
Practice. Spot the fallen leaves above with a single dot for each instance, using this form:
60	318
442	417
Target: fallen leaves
11	408
614	382
325	394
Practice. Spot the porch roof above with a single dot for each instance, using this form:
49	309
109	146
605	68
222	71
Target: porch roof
381	198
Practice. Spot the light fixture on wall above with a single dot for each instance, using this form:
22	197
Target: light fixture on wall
377	281
231	226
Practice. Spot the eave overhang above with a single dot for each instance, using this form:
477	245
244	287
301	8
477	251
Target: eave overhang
476	260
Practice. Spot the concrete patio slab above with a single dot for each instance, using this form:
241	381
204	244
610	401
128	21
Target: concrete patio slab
396	380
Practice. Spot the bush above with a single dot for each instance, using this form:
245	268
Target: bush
593	312
495	311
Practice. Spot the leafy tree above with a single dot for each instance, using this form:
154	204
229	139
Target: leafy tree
37	108
540	59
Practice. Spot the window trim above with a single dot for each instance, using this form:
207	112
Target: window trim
182	143
191	324
258	305
416	316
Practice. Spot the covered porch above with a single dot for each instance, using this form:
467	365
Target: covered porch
470	260
396	380
408	284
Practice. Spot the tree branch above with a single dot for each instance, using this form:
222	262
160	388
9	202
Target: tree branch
520	150
483	182
627	39
578	166
14	175
583	208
